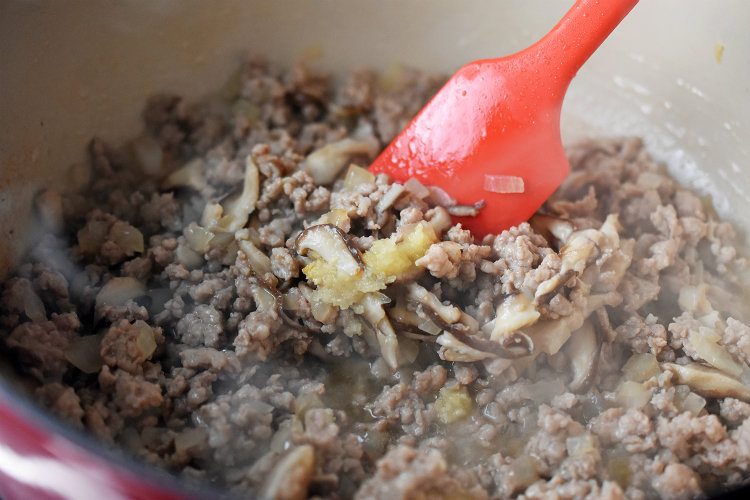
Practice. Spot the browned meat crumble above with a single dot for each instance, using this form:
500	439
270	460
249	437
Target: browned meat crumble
229	299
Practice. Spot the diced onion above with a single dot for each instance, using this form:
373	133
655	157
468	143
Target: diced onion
189	438
503	184
118	291
633	395
83	353
127	237
704	341
355	176
33	306
641	367
416	188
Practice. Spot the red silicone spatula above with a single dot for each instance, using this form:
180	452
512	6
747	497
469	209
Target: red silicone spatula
496	124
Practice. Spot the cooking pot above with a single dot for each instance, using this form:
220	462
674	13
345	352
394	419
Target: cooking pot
676	72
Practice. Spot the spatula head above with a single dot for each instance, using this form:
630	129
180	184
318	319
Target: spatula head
493	118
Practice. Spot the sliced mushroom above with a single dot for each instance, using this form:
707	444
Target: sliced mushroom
548	289
466	210
514	346
552	228
291	477
583	349
515	312
448	313
241	207
390	198
708	382
330	243
259	261
371	308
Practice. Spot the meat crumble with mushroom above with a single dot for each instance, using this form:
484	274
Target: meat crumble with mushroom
233	297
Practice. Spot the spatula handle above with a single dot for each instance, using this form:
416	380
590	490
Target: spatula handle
578	34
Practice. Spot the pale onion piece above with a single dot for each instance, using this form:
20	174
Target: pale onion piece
50	209
198	237
259	261
371	308
265	301
241	207
523	472
322	311
686	400
503	184
189	438
126	237
328	242
338	217
705	342
453	405
221	241
290	478
389	198
282	438
357	175
324	164
440	197
211	217
379	369
408	350
33	307
118	291
84	353
641	367
448	313
306	401
145	339
260	406
543	391
92	236
581	444
693	298
189	175
456	350
189	258
148	154
429	326
583	350
713	320
513	313
708	382
633	395
416	188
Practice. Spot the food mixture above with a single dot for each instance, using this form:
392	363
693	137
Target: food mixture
233	297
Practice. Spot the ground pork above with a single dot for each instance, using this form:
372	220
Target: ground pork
229	366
